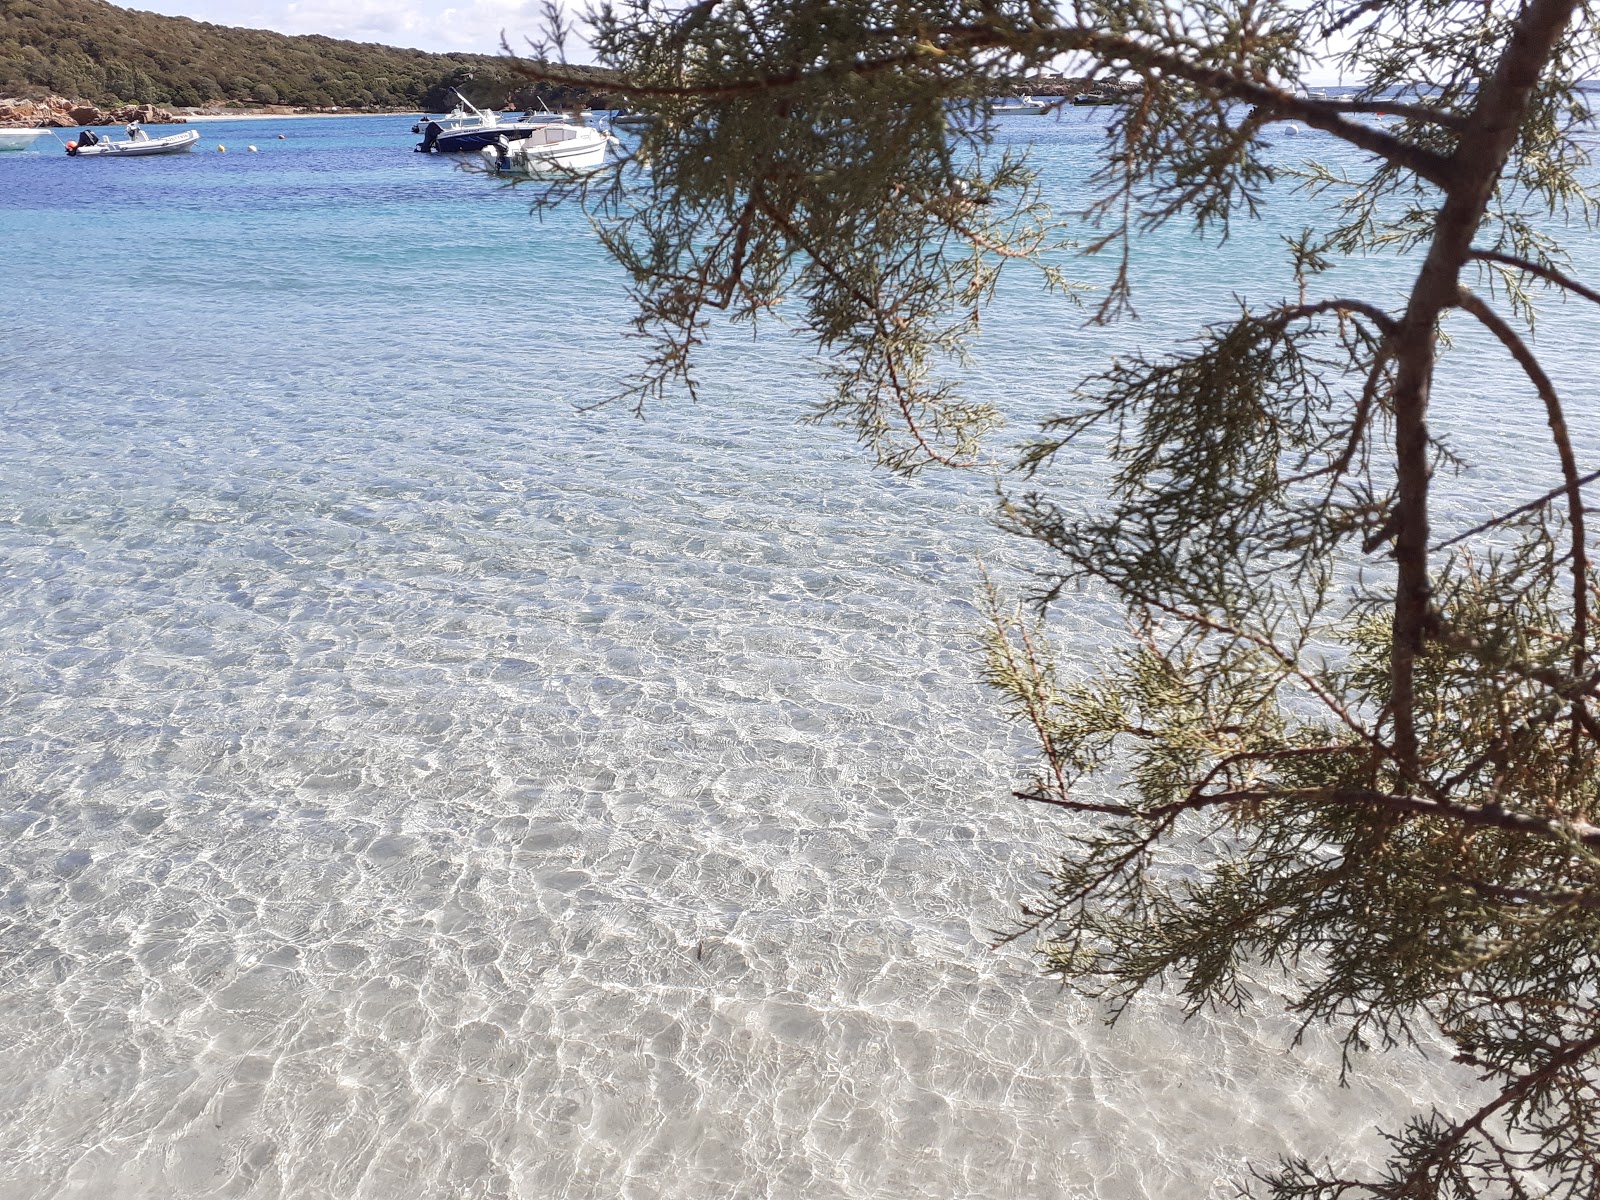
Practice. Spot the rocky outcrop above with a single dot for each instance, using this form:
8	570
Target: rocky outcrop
1052	86
57	112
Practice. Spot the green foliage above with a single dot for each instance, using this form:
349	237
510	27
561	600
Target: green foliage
90	50
1377	756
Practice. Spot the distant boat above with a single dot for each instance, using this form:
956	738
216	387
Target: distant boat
456	118
21	139
139	144
1095	99
471	128
553	148
1019	106
627	118
465	116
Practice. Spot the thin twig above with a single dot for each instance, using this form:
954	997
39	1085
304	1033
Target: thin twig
1512	514
1549	274
1556	417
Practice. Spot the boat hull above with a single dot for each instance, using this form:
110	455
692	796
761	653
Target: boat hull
177	143
477	137
21	139
567	148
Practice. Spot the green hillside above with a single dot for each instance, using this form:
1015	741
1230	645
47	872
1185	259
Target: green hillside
89	50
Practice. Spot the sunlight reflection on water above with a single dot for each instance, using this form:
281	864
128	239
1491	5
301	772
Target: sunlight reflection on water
416	788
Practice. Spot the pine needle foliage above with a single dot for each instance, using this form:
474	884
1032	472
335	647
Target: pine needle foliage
1376	752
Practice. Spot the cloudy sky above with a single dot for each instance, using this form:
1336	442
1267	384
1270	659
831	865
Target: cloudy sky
425	24
470	25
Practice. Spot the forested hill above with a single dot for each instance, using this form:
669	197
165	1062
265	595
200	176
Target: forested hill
90	50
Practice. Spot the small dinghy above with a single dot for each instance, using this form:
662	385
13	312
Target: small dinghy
553	148
139	143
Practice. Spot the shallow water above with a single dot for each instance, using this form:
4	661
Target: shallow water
417	787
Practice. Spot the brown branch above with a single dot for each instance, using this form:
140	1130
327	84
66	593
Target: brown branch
1289	662
1530	506
1566	686
1050	42
1530	365
1372	312
1549	274
1083	806
1242	756
1510	1094
1567	832
1496	891
872	304
1471	178
1390	108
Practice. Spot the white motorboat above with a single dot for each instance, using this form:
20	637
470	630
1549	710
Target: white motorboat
465	116
627	118
21	139
139	144
1019	106
470	128
552	148
457	118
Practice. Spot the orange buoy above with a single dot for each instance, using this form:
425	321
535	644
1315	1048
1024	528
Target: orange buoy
221	149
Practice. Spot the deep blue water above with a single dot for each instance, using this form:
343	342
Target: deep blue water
418	785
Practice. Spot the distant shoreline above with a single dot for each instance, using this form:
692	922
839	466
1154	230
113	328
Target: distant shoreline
276	116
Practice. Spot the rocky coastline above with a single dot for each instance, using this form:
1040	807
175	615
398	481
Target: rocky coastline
1053	87
58	112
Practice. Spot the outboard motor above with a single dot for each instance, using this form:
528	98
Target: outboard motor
87	138
430	135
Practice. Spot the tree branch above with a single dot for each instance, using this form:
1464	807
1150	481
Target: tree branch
1530	506
1473	174
1569	465
1549	274
1511	1094
1554	829
1049	42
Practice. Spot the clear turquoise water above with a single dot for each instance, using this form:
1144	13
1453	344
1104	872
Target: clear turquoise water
416	786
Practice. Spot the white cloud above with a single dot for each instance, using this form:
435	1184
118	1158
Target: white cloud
463	25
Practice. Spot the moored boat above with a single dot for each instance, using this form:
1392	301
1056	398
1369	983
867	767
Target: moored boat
1019	106
553	148
470	128
21	139
140	144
